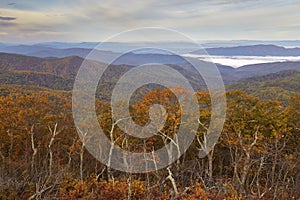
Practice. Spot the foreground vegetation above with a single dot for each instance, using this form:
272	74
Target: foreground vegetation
256	157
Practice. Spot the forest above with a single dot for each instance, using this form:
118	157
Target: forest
42	157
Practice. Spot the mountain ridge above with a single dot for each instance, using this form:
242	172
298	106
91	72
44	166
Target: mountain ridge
252	50
60	73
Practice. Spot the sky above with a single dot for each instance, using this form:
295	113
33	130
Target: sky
34	21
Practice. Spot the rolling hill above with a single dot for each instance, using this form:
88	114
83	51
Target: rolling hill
265	68
273	86
262	80
60	73
64	67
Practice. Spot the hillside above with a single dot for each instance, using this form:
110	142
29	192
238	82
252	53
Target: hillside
63	67
265	68
36	79
275	86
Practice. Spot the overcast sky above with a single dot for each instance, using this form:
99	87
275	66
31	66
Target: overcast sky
95	20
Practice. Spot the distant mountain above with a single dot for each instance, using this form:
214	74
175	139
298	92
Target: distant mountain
59	73
2	45
178	46
68	45
137	58
182	47
108	56
112	46
233	43
254	50
61	53
23	49
144	56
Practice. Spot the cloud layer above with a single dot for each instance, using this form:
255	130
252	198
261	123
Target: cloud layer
95	20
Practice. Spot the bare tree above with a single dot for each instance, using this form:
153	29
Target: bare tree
54	132
173	182
34	149
209	151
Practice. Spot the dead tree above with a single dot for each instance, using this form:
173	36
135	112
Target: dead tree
34	149
54	132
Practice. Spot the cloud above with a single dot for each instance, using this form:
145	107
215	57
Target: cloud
7	18
3	33
7	24
232	1
201	19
